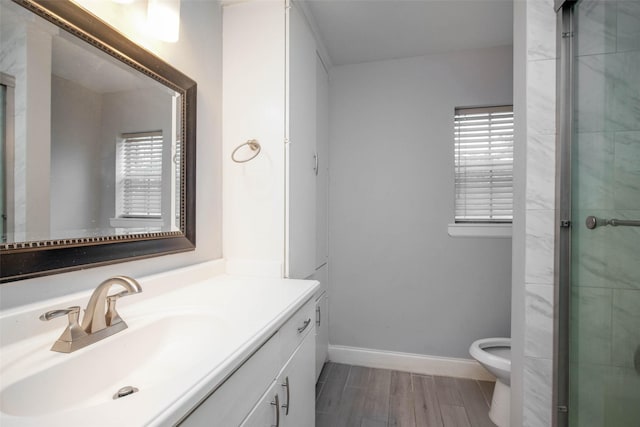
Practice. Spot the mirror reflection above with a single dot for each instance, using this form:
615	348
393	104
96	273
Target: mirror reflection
89	146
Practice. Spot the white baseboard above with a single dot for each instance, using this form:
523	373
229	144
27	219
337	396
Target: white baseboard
408	362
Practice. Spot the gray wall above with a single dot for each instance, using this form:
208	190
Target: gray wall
75	167
398	281
131	111
198	54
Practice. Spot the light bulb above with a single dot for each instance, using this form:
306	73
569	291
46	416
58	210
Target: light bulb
163	19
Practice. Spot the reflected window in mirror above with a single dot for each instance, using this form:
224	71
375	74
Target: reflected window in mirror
139	180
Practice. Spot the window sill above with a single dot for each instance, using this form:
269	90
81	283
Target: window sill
502	231
135	222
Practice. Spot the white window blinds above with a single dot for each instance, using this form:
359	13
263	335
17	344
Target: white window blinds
140	175
483	158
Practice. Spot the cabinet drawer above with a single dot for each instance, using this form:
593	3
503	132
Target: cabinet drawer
296	328
233	400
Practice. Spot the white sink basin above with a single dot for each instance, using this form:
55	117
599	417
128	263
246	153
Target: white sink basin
152	351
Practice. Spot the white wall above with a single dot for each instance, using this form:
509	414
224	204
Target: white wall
254	97
197	54
398	281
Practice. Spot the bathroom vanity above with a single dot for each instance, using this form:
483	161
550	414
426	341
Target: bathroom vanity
202	348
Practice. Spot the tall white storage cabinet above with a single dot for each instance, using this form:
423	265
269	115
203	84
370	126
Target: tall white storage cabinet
302	159
322	215
275	90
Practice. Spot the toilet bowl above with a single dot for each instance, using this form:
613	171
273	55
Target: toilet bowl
495	355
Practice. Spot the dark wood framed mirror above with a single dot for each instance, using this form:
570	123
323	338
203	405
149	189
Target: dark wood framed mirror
111	176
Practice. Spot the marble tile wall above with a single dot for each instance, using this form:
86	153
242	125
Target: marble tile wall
26	56
540	210
13	61
606	268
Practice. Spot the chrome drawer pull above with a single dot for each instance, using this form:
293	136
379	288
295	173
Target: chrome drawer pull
286	405
303	327
319	316
277	405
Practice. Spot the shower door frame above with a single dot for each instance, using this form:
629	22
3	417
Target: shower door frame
562	256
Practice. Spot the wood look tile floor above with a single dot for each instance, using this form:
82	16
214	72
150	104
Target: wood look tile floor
354	396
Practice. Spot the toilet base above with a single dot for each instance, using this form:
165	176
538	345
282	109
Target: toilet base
500	411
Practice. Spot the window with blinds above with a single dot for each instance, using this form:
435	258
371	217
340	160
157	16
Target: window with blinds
483	158
177	164
140	175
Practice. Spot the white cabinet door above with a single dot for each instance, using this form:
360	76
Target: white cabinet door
297	387
293	392
224	407
301	149
322	148
266	413
322	332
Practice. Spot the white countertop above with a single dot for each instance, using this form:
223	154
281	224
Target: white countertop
246	312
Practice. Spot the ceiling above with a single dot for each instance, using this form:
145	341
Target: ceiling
355	31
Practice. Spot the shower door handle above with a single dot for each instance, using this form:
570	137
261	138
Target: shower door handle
592	222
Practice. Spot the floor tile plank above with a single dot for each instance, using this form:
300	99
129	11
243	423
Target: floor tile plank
329	399
338	372
358	376
454	416
330	396
371	422
319	386
447	391
326	368
487	390
326	420
425	402
401	411
376	404
351	407
474	403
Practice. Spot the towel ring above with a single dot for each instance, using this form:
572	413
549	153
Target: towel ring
253	144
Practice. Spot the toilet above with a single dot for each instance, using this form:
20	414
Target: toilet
495	355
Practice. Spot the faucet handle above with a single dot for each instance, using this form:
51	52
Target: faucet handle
71	311
112	317
74	330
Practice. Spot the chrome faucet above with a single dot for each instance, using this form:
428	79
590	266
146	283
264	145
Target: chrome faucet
95	315
100	319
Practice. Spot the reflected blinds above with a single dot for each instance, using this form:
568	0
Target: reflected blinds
483	158
140	174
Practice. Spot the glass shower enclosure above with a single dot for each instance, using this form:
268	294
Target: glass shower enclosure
598	238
